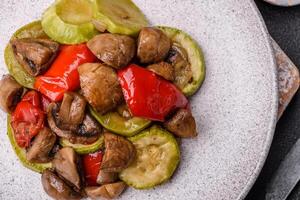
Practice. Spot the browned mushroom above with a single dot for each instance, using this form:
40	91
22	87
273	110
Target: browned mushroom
87	132
109	191
53	108
35	55
66	164
119	153
56	188
114	50
10	92
182	124
100	86
106	177
76	139
89	127
182	69
153	45
72	111
41	146
163	69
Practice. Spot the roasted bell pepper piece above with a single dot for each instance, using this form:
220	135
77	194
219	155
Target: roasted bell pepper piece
21	152
27	119
91	166
63	75
148	95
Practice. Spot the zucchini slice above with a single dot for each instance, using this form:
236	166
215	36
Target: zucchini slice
70	21
32	30
195	59
115	123
122	16
21	153
157	158
81	148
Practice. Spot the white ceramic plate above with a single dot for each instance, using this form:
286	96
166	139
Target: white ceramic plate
284	2
235	109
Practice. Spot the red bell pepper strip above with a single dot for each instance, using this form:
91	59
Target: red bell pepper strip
148	95
91	166
63	75
45	103
27	119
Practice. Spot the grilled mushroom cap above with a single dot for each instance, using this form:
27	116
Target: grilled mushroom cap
113	49
100	86
109	191
182	124
153	45
106	177
10	92
35	55
72	111
41	146
79	136
163	69
56	188
66	164
119	153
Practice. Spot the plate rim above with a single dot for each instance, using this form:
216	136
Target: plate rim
270	134
273	102
287	4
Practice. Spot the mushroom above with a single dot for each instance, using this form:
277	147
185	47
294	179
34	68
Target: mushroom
100	86
106	177
119	153
66	163
178	58
182	124
163	69
52	121
89	125
75	139
113	49
10	92
56	188
72	111
153	45
41	146
108	191
35	55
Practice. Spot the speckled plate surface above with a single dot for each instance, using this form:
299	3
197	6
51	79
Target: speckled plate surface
236	108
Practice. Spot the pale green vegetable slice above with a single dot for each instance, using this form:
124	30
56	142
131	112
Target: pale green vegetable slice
115	123
122	16
157	158
32	30
195	58
21	153
70	21
81	148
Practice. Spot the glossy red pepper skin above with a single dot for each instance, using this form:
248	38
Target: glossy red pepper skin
27	119
63	76
91	166
45	101
148	95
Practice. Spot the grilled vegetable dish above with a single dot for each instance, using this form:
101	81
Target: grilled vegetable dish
97	98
